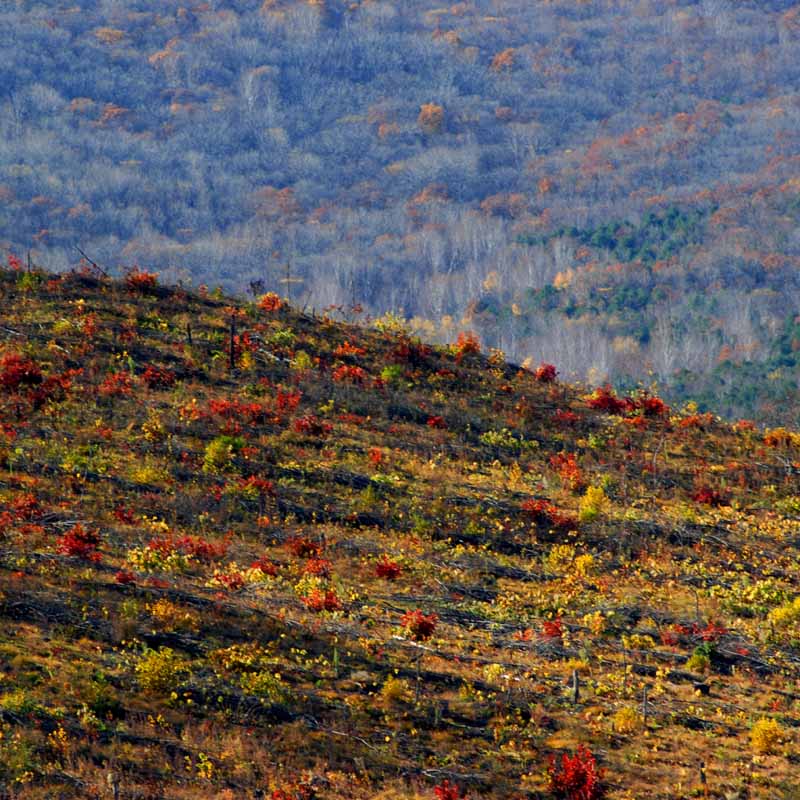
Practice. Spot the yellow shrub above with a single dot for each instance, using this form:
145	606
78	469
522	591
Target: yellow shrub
626	721
394	690
639	641
560	558
584	564
698	662
786	615
159	670
595	622
171	617
153	428
264	684
593	504
765	736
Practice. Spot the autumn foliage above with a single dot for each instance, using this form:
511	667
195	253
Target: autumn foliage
576	777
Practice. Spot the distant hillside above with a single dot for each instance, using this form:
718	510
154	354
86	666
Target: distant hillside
250	552
610	186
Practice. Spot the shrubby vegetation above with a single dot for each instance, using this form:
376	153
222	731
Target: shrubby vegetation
611	187
223	575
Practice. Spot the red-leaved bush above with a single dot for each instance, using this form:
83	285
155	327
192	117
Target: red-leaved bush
466	344
117	384
419	626
194	546
320	567
79	542
349	374
710	497
604	399
265	565
390	570
18	371
545	512
545	373
410	352
566	464
448	791
566	417
322	600
270	302
159	378
553	628
303	547
576	777
310	425
347	349
137	280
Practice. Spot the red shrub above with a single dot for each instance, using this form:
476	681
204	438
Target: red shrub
567	467
436	422
309	425
577	778
604	399
265	565
376	456
231	581
159	378
466	344
320	567
270	302
710	497
545	512
652	406
118	384
264	487
348	349
54	388
553	628
235	411
448	791
286	402
25	507
19	371
303	547
566	417
349	374
700	421
125	577
545	373
322	600
419	626
409	352
137	280
202	549
79	542
390	570
712	632
639	421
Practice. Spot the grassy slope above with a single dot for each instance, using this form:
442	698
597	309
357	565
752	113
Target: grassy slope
358	708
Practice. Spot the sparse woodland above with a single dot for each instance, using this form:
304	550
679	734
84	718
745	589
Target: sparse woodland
611	186
250	552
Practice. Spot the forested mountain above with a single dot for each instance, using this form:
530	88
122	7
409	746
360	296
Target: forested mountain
612	186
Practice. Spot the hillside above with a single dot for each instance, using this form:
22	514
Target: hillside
613	187
244	549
